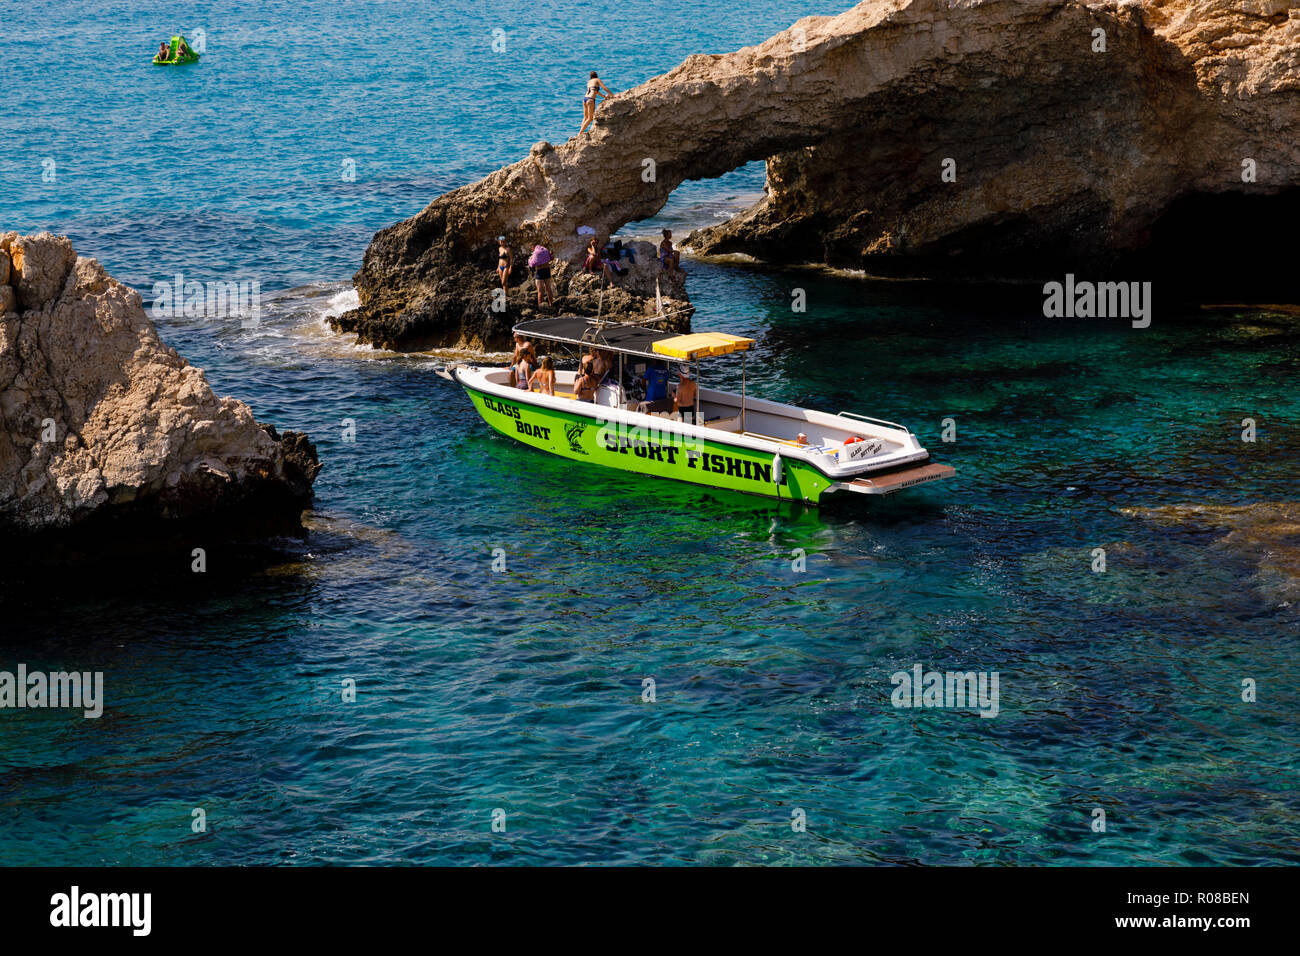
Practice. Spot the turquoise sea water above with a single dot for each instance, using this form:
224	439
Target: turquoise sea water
523	690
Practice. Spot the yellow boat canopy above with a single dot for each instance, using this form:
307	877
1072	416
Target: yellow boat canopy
699	345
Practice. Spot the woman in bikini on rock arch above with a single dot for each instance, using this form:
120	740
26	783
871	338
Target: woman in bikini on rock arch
595	88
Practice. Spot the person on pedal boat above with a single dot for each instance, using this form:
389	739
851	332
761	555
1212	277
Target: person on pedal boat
164	51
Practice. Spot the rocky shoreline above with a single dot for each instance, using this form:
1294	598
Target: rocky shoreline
108	435
990	140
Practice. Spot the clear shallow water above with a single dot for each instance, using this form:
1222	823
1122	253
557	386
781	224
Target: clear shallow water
523	690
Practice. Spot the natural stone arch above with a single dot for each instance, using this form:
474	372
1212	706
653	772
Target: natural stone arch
1056	145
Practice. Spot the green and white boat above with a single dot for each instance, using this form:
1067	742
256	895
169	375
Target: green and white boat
740	443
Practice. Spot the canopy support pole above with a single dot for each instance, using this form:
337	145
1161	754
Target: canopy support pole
697	393
742	391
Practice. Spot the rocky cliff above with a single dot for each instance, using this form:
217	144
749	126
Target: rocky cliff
985	137
1072	134
102	426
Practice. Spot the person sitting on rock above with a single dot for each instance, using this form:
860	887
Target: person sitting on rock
593	257
609	259
669	257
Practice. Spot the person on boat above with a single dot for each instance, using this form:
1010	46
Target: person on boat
584	386
183	50
544	378
595	88
164	51
524	353
602	363
685	393
669	257
540	260
523	374
504	264
656	389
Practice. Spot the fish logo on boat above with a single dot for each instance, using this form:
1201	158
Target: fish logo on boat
573	432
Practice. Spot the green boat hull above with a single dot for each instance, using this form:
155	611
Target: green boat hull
657	453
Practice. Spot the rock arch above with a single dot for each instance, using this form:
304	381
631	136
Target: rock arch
1057	146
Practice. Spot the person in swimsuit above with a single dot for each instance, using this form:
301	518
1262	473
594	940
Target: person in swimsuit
544	377
595	88
504	265
669	257
584	386
593	256
599	361
684	395
164	51
182	51
523	374
524	354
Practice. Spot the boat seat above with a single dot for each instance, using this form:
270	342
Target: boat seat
780	441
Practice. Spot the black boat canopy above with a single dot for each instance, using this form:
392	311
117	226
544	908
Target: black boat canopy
633	339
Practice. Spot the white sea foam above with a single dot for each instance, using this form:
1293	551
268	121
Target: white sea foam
341	302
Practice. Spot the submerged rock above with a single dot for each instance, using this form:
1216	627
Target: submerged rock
1265	533
103	427
990	138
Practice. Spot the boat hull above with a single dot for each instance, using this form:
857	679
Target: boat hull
656	452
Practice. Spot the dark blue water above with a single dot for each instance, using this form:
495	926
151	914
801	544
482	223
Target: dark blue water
523	690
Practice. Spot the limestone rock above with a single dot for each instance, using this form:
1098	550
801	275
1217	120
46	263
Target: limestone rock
99	419
1063	155
1077	132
